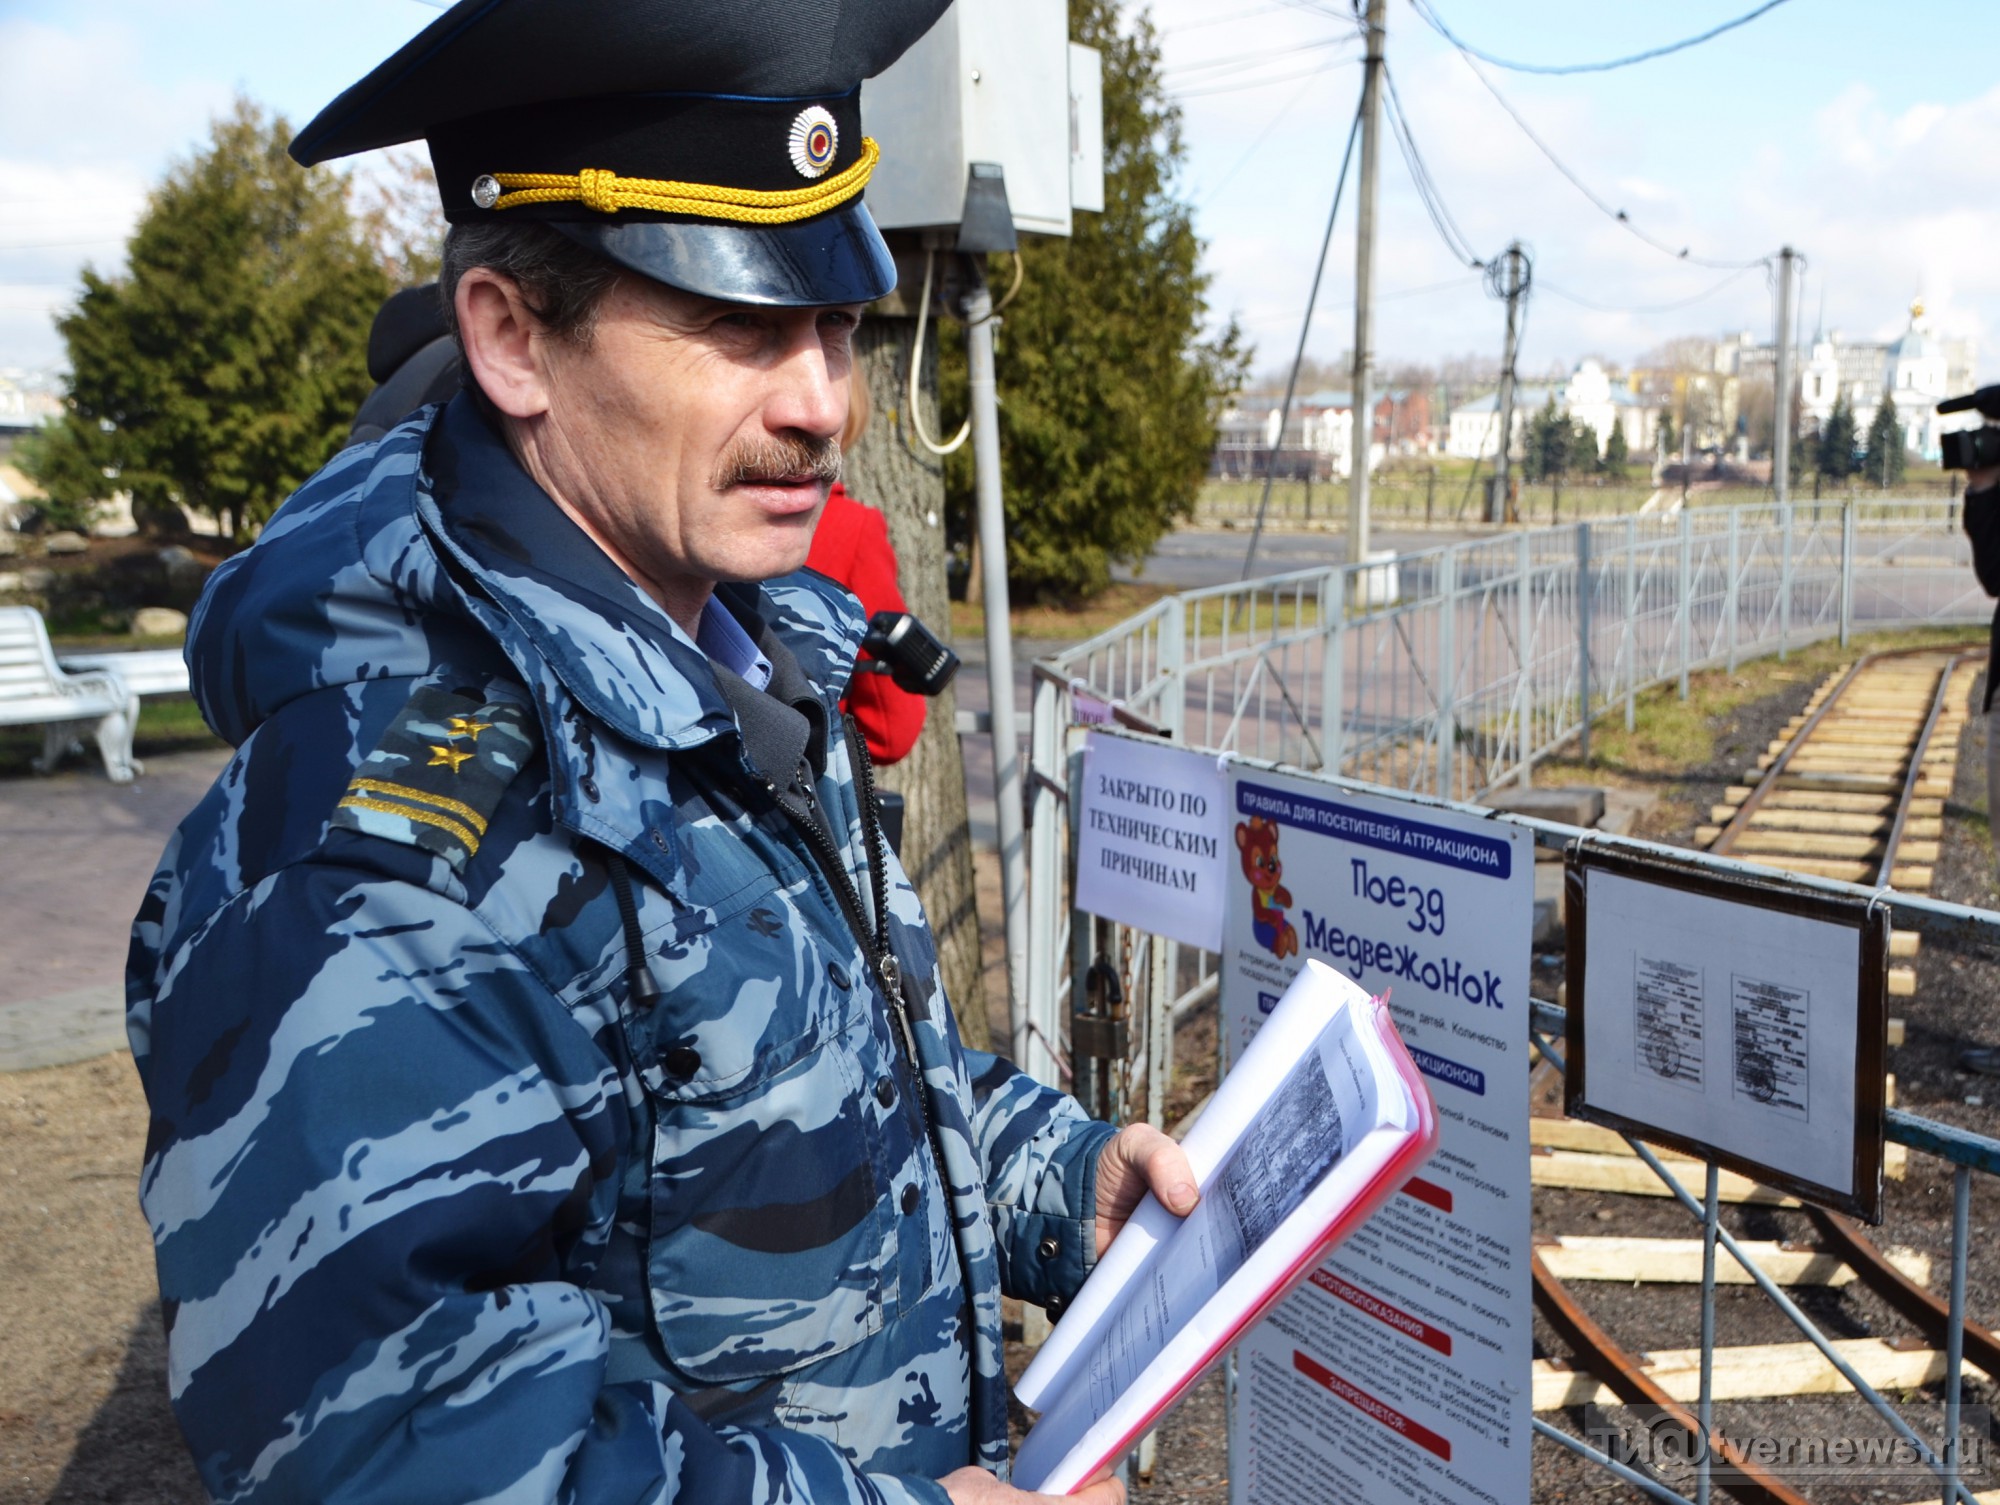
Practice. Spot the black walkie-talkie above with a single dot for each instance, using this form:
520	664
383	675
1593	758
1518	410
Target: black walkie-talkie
910	653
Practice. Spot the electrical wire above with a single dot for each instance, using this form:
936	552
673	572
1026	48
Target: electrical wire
1603	207
917	365
1652	308
1305	328
1437	25
1420	174
1264	135
1245	60
1020	274
1256	83
1225	18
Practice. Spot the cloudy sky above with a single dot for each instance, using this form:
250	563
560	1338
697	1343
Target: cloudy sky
1866	135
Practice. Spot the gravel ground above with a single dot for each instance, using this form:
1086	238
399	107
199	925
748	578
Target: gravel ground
83	1415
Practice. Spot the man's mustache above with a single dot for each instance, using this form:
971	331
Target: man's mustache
751	462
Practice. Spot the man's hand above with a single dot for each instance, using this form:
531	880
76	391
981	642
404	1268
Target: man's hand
1984	479
1140	1160
974	1486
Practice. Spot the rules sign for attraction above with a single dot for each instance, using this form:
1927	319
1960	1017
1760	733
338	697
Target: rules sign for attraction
1401	1370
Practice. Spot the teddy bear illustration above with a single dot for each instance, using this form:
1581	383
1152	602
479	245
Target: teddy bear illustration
1257	839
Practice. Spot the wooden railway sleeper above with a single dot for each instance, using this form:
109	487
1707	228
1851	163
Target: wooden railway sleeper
1627	1378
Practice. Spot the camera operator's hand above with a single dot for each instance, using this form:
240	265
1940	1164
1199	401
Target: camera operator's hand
1984	479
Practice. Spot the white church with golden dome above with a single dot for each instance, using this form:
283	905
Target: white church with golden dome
1916	370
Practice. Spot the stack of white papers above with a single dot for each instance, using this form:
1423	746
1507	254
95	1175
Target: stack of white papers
1323	1119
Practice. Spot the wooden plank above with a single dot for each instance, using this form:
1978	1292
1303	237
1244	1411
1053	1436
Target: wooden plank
1845	783
1677	1261
1895	1031
1804	844
1573	1134
1902	982
1826	822
1629	1176
1817	799
1904	942
1760	1370
1569	1136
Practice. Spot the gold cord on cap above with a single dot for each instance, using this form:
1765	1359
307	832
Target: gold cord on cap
603	190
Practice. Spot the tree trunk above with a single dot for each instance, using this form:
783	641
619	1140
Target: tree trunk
887	471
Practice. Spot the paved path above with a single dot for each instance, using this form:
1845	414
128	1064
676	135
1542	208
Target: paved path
76	852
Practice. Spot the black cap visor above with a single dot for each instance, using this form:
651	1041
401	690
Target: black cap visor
836	257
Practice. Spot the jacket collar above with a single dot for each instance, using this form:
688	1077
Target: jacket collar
579	630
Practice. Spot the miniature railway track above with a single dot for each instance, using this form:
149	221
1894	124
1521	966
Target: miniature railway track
1854	790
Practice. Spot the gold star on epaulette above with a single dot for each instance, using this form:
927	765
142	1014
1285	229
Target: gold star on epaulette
465	726
446	757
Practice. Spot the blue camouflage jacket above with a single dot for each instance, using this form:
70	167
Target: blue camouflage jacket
443	1208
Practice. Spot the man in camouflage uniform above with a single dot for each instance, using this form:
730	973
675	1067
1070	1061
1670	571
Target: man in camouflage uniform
553	1097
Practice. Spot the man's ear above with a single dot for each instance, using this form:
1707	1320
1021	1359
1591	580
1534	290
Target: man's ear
502	345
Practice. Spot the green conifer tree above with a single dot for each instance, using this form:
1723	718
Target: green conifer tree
222	368
1884	462
1836	453
1617	452
1109	389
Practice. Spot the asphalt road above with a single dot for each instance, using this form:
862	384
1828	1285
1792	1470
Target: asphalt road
1214	556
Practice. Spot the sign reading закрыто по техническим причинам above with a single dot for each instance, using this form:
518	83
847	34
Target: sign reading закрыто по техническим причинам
1150	826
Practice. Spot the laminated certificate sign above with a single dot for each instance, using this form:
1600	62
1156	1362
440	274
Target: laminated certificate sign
1323	1117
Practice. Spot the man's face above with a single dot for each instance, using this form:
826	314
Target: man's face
697	439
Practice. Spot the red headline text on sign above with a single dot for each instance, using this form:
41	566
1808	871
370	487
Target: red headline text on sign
1428	1192
1365	1403
1433	1338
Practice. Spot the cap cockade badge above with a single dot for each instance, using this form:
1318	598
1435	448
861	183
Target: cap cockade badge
814	141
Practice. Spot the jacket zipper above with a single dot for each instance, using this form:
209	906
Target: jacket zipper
888	970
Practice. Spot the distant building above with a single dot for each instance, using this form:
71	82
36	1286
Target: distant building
28	400
1589	397
1319	434
1917	368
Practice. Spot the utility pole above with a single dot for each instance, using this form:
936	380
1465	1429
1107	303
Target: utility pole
1781	416
983	399
1512	284
1364	286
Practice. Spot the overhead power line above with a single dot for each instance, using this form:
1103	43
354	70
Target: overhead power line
1258	83
1240	60
1298	358
1651	308
1608	64
1597	200
1420	174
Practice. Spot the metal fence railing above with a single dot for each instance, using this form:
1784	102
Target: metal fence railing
1454	669
1443	673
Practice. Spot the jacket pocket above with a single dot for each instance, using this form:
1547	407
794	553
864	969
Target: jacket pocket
770	1239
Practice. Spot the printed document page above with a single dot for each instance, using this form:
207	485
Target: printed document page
1322	1129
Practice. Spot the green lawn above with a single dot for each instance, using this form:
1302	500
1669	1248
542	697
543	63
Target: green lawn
1669	733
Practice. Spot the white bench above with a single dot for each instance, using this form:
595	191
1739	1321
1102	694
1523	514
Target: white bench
36	691
146	671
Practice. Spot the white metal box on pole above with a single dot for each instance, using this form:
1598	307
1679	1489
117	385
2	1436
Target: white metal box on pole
991	82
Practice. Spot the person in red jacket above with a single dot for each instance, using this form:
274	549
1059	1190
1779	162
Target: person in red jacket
851	545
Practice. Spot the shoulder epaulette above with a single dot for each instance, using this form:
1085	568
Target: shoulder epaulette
437	775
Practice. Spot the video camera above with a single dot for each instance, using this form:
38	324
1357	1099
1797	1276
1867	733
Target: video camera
1972	449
